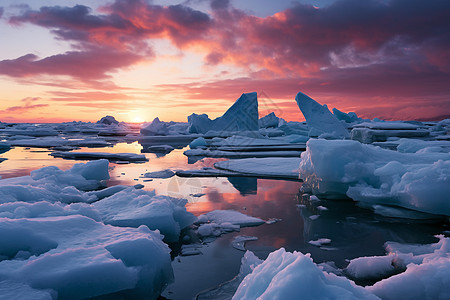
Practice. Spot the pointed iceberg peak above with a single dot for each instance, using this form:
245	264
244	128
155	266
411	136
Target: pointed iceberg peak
242	115
320	120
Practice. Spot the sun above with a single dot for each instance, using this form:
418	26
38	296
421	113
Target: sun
135	118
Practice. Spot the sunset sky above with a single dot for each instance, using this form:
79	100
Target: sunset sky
137	59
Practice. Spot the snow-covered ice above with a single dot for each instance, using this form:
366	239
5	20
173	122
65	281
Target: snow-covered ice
69	254
229	216
285	275
372	175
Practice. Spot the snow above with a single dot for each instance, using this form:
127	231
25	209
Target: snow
229	216
371	267
101	155
272	167
372	175
285	275
167	173
319	119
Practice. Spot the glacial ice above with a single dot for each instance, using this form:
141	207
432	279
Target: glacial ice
229	216
167	173
268	121
320	120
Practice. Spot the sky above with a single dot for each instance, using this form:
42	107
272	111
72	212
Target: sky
140	59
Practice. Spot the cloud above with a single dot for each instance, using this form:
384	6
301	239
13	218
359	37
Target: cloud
395	52
25	107
2	10
92	64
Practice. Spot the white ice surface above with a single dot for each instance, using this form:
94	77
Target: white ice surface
276	167
229	216
79	257
372	175
132	207
167	173
285	275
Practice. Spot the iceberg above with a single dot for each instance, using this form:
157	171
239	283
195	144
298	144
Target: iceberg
241	116
132	157
319	119
108	120
269	121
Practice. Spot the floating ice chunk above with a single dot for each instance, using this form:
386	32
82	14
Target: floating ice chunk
269	120
18	290
418	181
210	229
167	173
229	216
368	136
350	117
108	120
241	154
198	142
426	275
274	167
320	120
101	155
388	125
373	267
188	250
285	275
160	149
413	145
132	207
199	123
156	127
239	241
71	253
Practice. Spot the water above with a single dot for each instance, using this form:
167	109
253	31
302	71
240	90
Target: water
353	231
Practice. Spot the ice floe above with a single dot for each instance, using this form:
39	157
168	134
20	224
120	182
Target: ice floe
132	157
371	175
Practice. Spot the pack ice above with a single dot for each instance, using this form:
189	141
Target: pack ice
61	237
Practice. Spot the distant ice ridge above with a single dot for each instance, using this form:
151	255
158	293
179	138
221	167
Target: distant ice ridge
372	175
406	272
57	238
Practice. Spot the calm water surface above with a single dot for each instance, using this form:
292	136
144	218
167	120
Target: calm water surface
353	231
